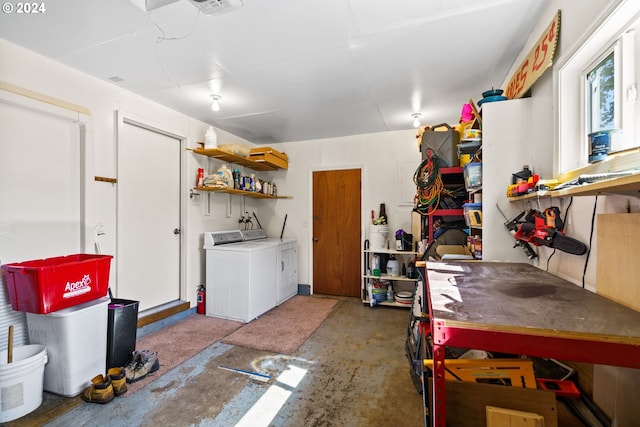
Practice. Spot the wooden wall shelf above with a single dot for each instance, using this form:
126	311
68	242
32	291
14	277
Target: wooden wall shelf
241	193
629	185
234	158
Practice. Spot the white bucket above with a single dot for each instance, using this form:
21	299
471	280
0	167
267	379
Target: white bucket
378	236
21	381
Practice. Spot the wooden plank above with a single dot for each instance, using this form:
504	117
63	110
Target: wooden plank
502	417
44	98
514	372
163	314
106	179
535	64
232	158
617	267
467	402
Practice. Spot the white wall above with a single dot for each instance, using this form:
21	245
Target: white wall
379	155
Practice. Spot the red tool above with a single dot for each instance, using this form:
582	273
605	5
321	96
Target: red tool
561	388
547	229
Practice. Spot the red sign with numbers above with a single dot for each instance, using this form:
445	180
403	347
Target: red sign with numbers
539	59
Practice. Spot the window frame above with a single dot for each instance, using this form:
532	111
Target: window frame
611	32
614	51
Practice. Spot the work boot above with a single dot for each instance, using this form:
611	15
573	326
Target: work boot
100	391
142	363
118	380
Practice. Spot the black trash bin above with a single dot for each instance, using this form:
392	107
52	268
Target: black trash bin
121	331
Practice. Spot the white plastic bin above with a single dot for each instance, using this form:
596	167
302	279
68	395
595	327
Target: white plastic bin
76	341
21	381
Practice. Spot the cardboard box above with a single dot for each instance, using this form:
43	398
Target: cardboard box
451	252
466	402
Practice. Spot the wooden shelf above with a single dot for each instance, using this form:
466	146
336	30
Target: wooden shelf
387	303
234	158
389	251
629	184
241	192
387	277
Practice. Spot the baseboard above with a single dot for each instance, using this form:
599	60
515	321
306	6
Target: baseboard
154	315
304	289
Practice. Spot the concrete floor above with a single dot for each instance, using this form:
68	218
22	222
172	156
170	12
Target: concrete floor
352	371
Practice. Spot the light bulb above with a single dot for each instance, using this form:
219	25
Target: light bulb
215	105
416	119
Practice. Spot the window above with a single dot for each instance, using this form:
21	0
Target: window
601	99
596	89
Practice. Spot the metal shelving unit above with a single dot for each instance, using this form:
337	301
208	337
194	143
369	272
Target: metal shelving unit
399	283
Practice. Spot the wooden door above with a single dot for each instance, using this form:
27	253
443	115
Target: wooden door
336	232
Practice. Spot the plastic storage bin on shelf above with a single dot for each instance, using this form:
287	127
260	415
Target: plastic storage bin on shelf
76	341
473	214
472	175
51	284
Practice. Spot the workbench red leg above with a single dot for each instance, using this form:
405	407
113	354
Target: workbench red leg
439	414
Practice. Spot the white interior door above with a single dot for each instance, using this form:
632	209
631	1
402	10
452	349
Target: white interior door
148	248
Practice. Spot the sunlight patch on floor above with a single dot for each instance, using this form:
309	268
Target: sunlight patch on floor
267	407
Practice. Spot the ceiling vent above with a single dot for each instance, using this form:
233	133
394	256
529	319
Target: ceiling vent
217	7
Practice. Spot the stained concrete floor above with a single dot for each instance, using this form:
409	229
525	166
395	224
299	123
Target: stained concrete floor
353	373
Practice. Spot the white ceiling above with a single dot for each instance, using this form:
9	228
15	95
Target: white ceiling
291	70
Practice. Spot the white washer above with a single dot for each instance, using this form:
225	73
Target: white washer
286	263
240	276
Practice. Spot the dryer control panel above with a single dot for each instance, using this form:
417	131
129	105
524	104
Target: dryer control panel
215	238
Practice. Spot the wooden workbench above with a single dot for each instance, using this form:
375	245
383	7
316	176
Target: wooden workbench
520	309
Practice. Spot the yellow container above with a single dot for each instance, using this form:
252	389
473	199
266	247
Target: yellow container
472	133
464	159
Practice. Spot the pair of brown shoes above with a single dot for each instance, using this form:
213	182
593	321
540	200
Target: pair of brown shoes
104	388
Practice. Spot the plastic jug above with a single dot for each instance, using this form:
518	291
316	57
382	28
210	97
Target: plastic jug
210	138
226	173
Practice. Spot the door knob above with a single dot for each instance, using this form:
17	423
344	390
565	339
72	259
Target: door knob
315	239
176	231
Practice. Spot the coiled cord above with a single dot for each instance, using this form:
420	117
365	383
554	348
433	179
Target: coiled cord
429	185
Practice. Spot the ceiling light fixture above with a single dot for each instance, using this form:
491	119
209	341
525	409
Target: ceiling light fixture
215	105
416	119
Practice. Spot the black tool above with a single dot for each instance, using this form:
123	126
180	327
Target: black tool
513	226
283	224
257	220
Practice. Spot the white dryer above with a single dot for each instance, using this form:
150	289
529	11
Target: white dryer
240	276
287	262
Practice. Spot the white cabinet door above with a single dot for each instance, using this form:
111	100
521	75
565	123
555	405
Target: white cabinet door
287	271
